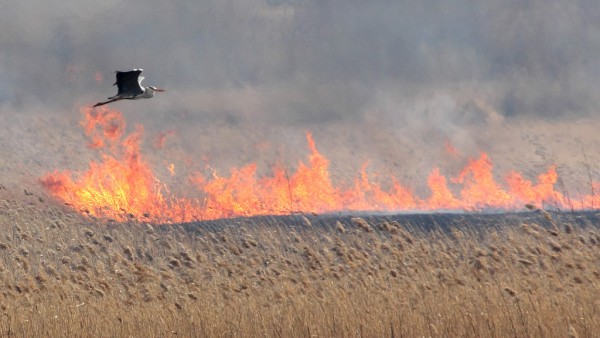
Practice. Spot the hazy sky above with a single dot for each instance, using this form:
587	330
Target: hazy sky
322	60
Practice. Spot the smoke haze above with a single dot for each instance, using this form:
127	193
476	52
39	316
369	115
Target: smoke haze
390	82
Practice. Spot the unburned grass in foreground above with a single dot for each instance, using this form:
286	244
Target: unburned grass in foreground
65	275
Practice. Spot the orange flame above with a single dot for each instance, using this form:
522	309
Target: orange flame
123	185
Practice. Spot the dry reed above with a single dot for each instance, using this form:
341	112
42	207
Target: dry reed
65	275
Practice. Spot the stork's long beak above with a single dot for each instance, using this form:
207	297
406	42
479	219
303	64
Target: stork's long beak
159	90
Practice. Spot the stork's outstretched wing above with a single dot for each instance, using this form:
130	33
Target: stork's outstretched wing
128	83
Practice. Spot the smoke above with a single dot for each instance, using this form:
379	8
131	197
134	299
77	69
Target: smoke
391	80
537	57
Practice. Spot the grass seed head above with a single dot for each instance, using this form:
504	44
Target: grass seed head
362	224
340	227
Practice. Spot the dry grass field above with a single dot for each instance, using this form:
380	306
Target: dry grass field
62	274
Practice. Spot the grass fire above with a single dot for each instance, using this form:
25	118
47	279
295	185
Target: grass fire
293	253
123	185
313	168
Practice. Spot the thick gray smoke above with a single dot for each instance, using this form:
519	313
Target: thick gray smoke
390	81
323	59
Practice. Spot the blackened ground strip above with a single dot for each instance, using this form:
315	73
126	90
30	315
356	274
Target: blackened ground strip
444	222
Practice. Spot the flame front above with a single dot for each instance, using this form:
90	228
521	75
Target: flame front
123	185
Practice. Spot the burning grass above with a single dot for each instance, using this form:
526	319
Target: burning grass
63	274
123	183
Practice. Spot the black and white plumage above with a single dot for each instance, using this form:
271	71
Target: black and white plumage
130	87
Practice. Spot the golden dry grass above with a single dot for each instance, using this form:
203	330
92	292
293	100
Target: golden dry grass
65	275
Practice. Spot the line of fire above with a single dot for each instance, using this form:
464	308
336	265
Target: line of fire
123	185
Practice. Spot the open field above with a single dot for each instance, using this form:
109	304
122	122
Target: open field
62	274
313	169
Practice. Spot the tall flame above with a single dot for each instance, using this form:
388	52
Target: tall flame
123	185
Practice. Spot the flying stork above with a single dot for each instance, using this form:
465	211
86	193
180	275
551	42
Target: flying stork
130	87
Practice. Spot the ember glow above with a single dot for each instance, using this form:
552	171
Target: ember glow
122	184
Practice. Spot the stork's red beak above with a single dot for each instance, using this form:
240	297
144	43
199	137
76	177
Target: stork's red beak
159	90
